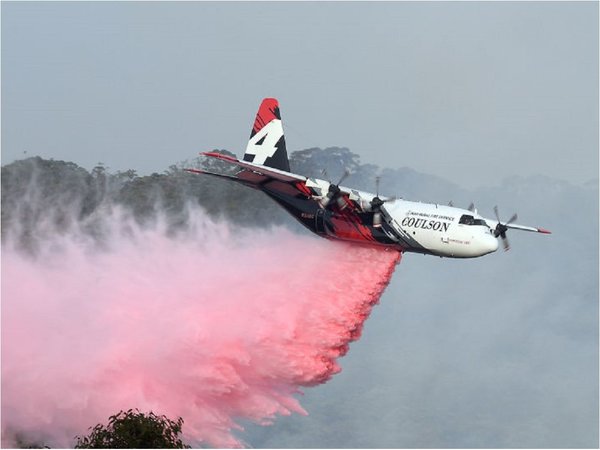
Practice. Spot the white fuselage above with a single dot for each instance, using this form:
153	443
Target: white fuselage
337	212
431	228
438	228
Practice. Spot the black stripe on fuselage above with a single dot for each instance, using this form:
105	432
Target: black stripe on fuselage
307	211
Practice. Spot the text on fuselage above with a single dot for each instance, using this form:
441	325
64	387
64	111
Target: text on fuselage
425	224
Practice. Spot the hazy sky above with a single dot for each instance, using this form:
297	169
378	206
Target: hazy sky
494	352
471	91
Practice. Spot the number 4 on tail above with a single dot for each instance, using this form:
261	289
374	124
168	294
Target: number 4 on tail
263	144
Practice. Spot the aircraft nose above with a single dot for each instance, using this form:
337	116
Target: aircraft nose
491	243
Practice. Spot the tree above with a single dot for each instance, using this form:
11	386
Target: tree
133	429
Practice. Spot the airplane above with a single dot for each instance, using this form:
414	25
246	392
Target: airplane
337	212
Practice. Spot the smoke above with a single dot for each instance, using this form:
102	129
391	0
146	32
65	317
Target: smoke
211	323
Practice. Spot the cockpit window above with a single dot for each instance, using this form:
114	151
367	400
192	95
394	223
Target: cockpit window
466	220
470	220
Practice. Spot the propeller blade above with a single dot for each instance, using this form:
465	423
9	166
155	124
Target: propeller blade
346	173
376	203
496	212
450	203
471	207
502	228
505	242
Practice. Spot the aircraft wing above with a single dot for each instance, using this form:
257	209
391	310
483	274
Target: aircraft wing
492	224
526	228
256	168
259	176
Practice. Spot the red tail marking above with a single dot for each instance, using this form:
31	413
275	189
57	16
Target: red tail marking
269	110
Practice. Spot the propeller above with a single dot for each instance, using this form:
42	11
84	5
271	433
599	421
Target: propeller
471	207
334	193
501	228
376	204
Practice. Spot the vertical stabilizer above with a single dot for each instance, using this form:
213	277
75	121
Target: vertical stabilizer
267	142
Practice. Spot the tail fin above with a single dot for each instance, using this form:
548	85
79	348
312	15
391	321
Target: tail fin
267	142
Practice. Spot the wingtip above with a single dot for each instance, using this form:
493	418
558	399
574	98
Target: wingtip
544	231
218	155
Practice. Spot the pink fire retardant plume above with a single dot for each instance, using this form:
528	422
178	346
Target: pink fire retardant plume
211	325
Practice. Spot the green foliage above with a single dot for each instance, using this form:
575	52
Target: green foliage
42	197
46	196
133	429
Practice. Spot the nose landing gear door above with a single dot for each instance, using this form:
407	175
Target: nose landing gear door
320	221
